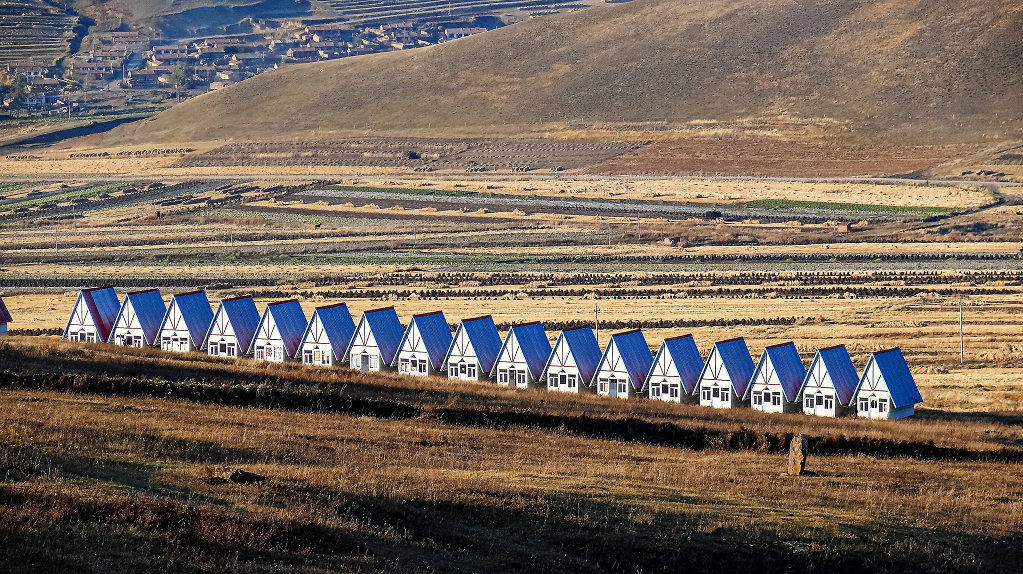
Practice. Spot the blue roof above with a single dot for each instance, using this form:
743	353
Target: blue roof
435	333
536	349
337	324
291	323
582	344
738	363
901	386
788	368
5	315
634	353
387	331
244	318
149	309
841	370
196	312
486	341
686	358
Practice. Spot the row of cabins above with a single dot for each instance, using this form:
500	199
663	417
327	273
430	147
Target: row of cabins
525	358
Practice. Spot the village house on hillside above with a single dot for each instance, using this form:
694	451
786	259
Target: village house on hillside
326	338
138	321
5	317
887	389
522	357
473	349
186	322
92	317
279	334
675	371
573	361
233	327
830	383
422	348
376	339
726	374
776	382
623	368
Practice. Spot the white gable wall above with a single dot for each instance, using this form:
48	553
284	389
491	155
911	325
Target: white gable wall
562	373
512	369
221	340
315	348
462	361
766	392
81	326
819	396
127	330
413	358
612	377
364	353
715	386
663	383
174	335
268	344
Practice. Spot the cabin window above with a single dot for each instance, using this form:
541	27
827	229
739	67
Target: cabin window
810	402
716	392
706	394
725	396
864	405
403	366
570	381
873	404
259	352
502	377
655	391
522	378
758	399
776	399
307	357
423	367
90	337
829	403
326	358
602	386
882	406
664	388
674	391
623	387
231	350
374	362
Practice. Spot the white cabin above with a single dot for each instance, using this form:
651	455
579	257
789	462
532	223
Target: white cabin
376	339
725	375
573	362
92	317
424	344
326	338
138	322
776	382
186	322
624	365
887	389
233	327
675	371
830	383
522	357
473	349
279	334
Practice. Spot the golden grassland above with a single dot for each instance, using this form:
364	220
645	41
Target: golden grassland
85	475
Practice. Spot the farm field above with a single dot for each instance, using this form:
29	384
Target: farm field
104	447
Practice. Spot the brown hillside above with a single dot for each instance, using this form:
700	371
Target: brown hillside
908	71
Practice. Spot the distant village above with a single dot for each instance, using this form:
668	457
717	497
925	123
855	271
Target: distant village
127	69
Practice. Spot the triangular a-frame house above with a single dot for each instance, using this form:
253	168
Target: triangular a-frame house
830	383
522	357
279	334
675	370
92	317
776	382
886	389
138	321
473	349
5	317
423	345
726	374
573	361
186	322
326	338
624	365
233	327
375	341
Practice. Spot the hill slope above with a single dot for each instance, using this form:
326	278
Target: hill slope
908	70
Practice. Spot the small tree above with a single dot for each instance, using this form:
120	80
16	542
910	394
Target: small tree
179	79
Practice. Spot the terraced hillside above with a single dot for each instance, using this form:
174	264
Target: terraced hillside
886	71
366	11
34	29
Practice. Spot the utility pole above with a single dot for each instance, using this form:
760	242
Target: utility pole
596	323
639	230
962	345
609	234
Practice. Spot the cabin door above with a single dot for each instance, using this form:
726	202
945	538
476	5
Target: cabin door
364	362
